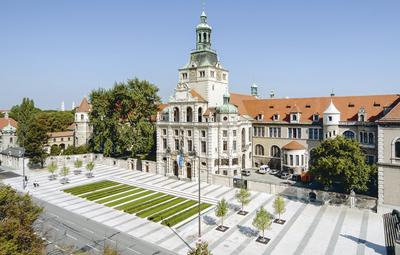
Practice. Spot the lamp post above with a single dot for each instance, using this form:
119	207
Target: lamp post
194	155
22	154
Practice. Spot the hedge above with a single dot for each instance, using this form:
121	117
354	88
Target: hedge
153	210
184	215
163	215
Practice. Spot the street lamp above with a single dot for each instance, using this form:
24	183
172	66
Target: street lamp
168	153
21	153
194	154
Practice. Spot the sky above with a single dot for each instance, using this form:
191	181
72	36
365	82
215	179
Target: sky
54	51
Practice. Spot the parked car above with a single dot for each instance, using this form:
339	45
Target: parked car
274	171
285	175
246	172
263	169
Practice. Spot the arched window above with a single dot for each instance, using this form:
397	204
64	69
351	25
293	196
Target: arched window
199	37
82	117
349	134
275	151
397	149
243	137
204	37
176	114
200	114
189	114
259	150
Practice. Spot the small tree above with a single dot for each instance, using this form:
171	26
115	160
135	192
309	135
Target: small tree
243	197
52	168
89	167
279	207
77	164
221	210
64	172
262	221
201	249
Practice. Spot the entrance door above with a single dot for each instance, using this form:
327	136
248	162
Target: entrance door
189	170
176	168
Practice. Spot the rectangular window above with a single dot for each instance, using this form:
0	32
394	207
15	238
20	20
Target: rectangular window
164	143
297	160
315	133
177	144
176	132
235	161
164	132
302	160
224	133
203	147
190	145
202	74
275	132
212	74
234	133
225	146
234	146
291	160
203	133
184	76
294	133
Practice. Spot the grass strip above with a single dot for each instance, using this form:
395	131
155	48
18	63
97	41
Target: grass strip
184	215
149	204
128	206
87	186
90	187
126	199
114	197
106	192
153	210
163	215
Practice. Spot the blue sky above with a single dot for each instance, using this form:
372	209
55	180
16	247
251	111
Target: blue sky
55	51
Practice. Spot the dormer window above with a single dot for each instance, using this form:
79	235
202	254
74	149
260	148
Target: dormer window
295	117
260	117
315	117
330	118
275	117
361	114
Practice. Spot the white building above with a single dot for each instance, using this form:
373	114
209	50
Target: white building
83	129
202	127
8	132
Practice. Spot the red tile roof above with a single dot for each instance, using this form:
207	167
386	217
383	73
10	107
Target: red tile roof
61	134
293	145
84	106
347	105
4	122
239	99
393	115
195	94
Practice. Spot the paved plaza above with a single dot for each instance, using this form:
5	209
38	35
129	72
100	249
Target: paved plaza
309	228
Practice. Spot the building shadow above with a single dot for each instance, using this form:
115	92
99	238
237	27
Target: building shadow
247	231
378	249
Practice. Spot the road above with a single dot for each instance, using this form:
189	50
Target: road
63	229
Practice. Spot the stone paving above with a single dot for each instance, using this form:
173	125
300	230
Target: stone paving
309	229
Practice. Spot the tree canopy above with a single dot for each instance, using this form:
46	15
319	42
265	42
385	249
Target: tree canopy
341	160
34	141
121	118
201	249
17	214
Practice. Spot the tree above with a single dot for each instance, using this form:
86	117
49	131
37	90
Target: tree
55	150
77	164
23	114
64	171
340	160
89	167
201	249
57	121
17	215
121	118
34	141
262	221
279	206
52	168
221	210
243	197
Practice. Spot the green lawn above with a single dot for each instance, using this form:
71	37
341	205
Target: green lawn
155	206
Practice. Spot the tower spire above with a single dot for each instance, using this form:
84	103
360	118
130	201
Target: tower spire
203	33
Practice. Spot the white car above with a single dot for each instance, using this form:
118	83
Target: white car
263	169
246	172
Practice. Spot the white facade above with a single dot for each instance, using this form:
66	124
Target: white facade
200	128
8	133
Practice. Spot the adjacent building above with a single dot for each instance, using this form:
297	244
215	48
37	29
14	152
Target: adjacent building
8	132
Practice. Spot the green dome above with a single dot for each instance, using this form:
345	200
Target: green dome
227	108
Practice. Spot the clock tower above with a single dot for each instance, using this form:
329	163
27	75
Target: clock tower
204	73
